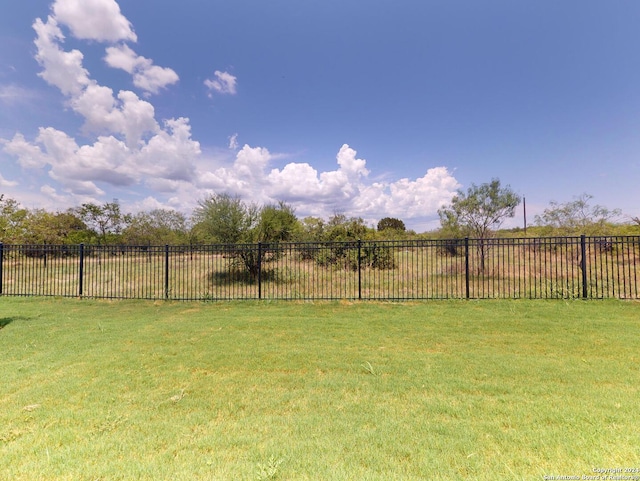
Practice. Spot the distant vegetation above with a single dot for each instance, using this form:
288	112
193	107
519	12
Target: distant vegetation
221	218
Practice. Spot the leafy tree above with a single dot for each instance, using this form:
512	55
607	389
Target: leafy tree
12	220
106	220
156	227
343	228
277	222
223	219
313	229
478	211
340	229
43	227
391	223
577	217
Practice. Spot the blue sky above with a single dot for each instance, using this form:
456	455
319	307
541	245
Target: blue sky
371	109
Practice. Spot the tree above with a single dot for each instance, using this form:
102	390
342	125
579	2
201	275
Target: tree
106	220
577	216
277	223
313	229
343	228
478	212
223	219
44	227
12	220
390	223
156	227
340	229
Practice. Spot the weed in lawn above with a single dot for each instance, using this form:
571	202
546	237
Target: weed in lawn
370	369
269	470
177	397
109	424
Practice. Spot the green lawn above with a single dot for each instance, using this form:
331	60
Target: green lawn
98	390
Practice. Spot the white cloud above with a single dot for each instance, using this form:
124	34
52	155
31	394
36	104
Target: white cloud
146	76
152	78
99	20
127	116
223	83
28	155
7	183
233	142
246	177
412	198
122	57
61	69
170	154
349	164
334	187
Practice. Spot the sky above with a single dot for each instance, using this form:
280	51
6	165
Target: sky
370	109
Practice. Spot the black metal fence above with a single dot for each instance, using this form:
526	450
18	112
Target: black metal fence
552	267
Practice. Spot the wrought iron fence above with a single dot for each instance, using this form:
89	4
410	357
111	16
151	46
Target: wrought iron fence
552	267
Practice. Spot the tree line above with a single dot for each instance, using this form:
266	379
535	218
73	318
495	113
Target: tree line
478	212
218	219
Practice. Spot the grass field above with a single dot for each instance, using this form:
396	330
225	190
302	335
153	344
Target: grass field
483	390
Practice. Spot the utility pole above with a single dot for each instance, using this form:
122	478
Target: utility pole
524	205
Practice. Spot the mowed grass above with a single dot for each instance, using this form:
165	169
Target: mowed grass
100	390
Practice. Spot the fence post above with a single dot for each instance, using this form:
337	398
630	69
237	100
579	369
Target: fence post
1	262
359	269
466	266
166	271
583	264
81	271
259	270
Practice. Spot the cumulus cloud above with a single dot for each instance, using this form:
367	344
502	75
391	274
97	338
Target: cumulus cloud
347	189
99	20
223	83
245	177
170	154
29	155
146	76
61	69
333	187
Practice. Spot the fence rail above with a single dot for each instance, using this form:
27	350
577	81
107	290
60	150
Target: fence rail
551	267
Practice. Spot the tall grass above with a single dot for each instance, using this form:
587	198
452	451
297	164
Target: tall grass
305	391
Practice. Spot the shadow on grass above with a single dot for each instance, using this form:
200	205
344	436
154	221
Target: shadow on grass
241	277
5	321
